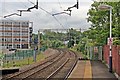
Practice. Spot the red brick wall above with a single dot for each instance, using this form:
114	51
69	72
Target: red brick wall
118	66
115	57
106	53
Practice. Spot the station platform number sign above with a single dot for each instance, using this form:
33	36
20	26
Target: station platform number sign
110	41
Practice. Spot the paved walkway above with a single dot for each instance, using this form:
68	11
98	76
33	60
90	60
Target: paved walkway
99	70
91	70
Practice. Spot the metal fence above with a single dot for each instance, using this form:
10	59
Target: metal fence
95	53
18	55
9	60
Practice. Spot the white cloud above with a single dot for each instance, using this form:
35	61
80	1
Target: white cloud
43	20
50	0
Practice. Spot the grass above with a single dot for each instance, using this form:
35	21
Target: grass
77	52
23	62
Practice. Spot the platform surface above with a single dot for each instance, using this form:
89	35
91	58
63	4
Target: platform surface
78	71
91	70
100	70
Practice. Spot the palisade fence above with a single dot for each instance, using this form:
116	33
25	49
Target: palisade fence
95	53
17	56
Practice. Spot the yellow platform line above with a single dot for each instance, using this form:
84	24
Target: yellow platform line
88	71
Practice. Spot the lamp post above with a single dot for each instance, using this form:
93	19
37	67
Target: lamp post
108	7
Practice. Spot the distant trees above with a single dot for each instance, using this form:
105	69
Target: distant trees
54	39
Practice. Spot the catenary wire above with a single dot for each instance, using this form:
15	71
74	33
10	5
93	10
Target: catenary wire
48	13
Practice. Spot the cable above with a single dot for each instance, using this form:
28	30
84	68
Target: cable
61	9
60	4
23	4
58	21
41	8
48	13
45	10
26	7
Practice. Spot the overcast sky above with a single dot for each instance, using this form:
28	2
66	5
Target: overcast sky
43	20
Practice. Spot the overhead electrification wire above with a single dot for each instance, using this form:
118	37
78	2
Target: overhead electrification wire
41	8
60	4
48	13
61	9
58	21
27	7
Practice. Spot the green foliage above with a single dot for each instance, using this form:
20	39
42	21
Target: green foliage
81	47
51	39
99	31
54	39
70	43
56	44
73	37
116	42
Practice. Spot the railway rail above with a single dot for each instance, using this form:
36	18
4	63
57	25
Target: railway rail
27	71
60	66
65	69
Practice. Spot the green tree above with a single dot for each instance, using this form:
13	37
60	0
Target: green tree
99	30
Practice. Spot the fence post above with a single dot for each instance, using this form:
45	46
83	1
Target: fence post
34	55
91	53
23	54
28	56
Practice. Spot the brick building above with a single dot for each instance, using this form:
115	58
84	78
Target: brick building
14	34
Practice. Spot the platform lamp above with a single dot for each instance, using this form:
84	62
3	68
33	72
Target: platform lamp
108	7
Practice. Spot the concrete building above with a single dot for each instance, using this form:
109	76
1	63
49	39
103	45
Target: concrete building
14	34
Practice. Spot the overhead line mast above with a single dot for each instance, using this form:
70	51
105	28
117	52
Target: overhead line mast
69	9
28	10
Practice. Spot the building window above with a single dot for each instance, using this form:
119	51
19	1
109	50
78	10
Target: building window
2	44
16	28
16	40
18	46
0	28
2	39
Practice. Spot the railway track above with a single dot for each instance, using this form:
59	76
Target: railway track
65	69
33	68
44	72
57	67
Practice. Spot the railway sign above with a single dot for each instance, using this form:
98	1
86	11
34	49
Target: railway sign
110	41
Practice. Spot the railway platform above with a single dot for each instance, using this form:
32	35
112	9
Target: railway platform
91	70
9	70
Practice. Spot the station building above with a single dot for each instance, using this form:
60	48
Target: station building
15	34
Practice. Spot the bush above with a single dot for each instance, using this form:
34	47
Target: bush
116	42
